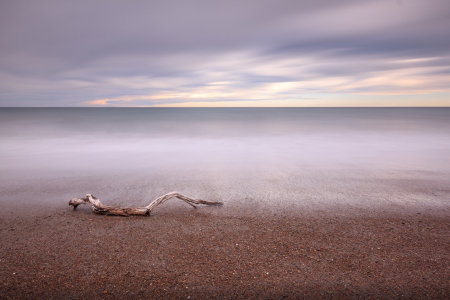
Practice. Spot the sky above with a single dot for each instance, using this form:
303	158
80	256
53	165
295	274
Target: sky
244	53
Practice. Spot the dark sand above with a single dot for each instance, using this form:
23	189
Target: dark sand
186	253
331	234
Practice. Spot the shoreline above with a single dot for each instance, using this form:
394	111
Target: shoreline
201	253
280	234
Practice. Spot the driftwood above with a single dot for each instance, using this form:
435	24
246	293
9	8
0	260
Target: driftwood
99	208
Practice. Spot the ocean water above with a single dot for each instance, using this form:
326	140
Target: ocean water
128	138
308	155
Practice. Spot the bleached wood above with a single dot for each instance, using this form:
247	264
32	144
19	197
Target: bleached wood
99	208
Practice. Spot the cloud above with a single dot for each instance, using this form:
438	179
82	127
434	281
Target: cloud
147	53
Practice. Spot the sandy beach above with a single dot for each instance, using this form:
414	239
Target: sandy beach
241	250
198	254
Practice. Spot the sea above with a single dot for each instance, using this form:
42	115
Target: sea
328	156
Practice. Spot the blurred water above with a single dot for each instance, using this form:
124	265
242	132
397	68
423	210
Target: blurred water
137	138
246	157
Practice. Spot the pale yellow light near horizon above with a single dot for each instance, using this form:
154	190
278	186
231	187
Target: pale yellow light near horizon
329	101
275	95
320	100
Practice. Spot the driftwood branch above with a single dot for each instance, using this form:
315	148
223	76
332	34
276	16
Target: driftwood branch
99	208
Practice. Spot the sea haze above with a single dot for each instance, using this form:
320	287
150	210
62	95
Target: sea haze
356	156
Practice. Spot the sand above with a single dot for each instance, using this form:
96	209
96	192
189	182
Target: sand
246	249
197	254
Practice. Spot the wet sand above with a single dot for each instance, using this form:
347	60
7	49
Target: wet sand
186	253
280	234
